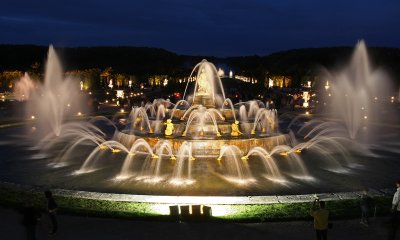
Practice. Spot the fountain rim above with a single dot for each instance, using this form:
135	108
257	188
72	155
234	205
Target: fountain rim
154	202
191	199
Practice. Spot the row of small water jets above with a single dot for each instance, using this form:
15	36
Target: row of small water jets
148	164
159	107
253	116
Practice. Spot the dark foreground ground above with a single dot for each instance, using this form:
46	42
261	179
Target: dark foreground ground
74	227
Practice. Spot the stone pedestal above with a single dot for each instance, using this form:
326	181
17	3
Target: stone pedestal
205	100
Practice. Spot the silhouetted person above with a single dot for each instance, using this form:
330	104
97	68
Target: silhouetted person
51	208
321	216
31	216
365	204
395	212
278	101
292	102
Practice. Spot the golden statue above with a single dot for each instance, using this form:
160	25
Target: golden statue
203	85
235	129
203	94
170	128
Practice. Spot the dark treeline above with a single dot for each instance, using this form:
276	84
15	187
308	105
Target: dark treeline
142	62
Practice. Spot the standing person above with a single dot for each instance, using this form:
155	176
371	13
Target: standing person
51	208
320	215
395	212
365	204
31	216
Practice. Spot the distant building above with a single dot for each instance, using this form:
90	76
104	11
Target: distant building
281	81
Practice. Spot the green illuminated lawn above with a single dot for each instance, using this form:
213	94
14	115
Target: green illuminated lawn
17	198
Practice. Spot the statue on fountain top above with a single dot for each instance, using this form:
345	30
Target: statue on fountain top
203	93
203	85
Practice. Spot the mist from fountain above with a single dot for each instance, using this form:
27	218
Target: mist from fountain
50	102
24	88
356	90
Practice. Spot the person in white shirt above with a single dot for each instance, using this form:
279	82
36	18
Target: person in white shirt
395	212
396	198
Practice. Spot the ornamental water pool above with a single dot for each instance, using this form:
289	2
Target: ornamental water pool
205	145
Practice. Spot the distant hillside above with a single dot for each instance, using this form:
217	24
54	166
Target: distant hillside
147	61
122	59
301	62
311	58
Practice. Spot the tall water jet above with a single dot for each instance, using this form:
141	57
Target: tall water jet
54	99
356	90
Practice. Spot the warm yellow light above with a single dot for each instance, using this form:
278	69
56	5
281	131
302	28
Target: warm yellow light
162	209
122	110
32	117
103	147
202	200
365	117
79	113
217	210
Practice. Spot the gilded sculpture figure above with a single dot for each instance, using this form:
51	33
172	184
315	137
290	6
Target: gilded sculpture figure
203	85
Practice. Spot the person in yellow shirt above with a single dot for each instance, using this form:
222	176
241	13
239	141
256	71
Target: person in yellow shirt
320	215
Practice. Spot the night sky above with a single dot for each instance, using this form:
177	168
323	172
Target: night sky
202	27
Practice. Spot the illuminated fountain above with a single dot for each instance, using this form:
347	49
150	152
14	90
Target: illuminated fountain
177	143
200	141
202	145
